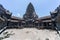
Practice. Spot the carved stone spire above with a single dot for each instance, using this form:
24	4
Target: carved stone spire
30	13
58	9
30	9
4	13
1	7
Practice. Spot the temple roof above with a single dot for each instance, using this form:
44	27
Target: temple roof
30	8
1	6
16	18
45	17
13	20
58	8
30	12
3	10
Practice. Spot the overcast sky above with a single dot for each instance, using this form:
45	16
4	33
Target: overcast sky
42	7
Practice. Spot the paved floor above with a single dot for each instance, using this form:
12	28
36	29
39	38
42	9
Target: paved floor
32	34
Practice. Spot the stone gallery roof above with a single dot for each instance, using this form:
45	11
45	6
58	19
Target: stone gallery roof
45	17
16	18
13	20
47	21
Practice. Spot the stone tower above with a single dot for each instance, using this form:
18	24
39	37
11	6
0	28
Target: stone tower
30	13
4	13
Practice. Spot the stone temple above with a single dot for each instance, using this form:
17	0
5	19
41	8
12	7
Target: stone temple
30	19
